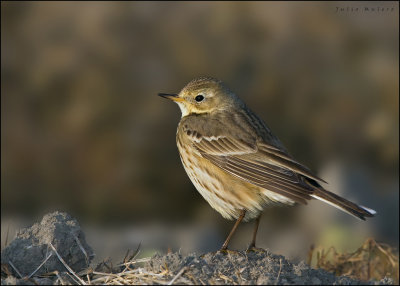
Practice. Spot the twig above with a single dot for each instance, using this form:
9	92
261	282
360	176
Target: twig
105	274
135	271
88	279
387	254
8	230
129	258
66	266
136	261
41	264
280	269
82	249
126	256
73	279
15	268
136	253
177	275
59	277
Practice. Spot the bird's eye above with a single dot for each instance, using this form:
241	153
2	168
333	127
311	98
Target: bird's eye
199	98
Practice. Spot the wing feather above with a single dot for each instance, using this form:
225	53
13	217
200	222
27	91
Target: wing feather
253	178
245	154
247	163
284	160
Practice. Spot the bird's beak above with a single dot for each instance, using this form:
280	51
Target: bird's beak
173	97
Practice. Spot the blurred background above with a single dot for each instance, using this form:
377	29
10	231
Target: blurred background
83	130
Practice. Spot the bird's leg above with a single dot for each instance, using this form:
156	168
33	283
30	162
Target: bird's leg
241	216
253	241
252	245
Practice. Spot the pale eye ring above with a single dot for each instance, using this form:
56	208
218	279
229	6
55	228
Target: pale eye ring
199	98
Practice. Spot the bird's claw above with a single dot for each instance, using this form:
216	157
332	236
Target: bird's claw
253	248
228	251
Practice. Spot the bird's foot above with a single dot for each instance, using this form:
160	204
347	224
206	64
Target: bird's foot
223	251
253	248
228	251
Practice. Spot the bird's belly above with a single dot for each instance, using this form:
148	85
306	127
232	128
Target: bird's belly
225	193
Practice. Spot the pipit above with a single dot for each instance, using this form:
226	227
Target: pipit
236	163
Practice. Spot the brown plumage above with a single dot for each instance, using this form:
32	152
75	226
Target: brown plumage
234	160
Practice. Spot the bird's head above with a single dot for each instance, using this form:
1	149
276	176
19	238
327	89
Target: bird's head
203	95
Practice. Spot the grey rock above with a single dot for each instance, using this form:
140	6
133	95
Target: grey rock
31	246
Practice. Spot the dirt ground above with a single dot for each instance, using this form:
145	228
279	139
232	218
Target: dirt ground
54	251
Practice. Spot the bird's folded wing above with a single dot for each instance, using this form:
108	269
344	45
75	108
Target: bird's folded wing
284	160
260	164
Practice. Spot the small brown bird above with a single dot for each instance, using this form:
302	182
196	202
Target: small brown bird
236	163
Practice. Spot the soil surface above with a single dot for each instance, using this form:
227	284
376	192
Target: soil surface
253	267
30	257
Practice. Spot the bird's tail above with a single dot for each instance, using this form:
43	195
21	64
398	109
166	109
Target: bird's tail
360	212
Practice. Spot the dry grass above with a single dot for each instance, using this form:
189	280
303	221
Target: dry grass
127	273
372	260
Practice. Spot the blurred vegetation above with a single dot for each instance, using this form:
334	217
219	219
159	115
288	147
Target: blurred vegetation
82	128
371	261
